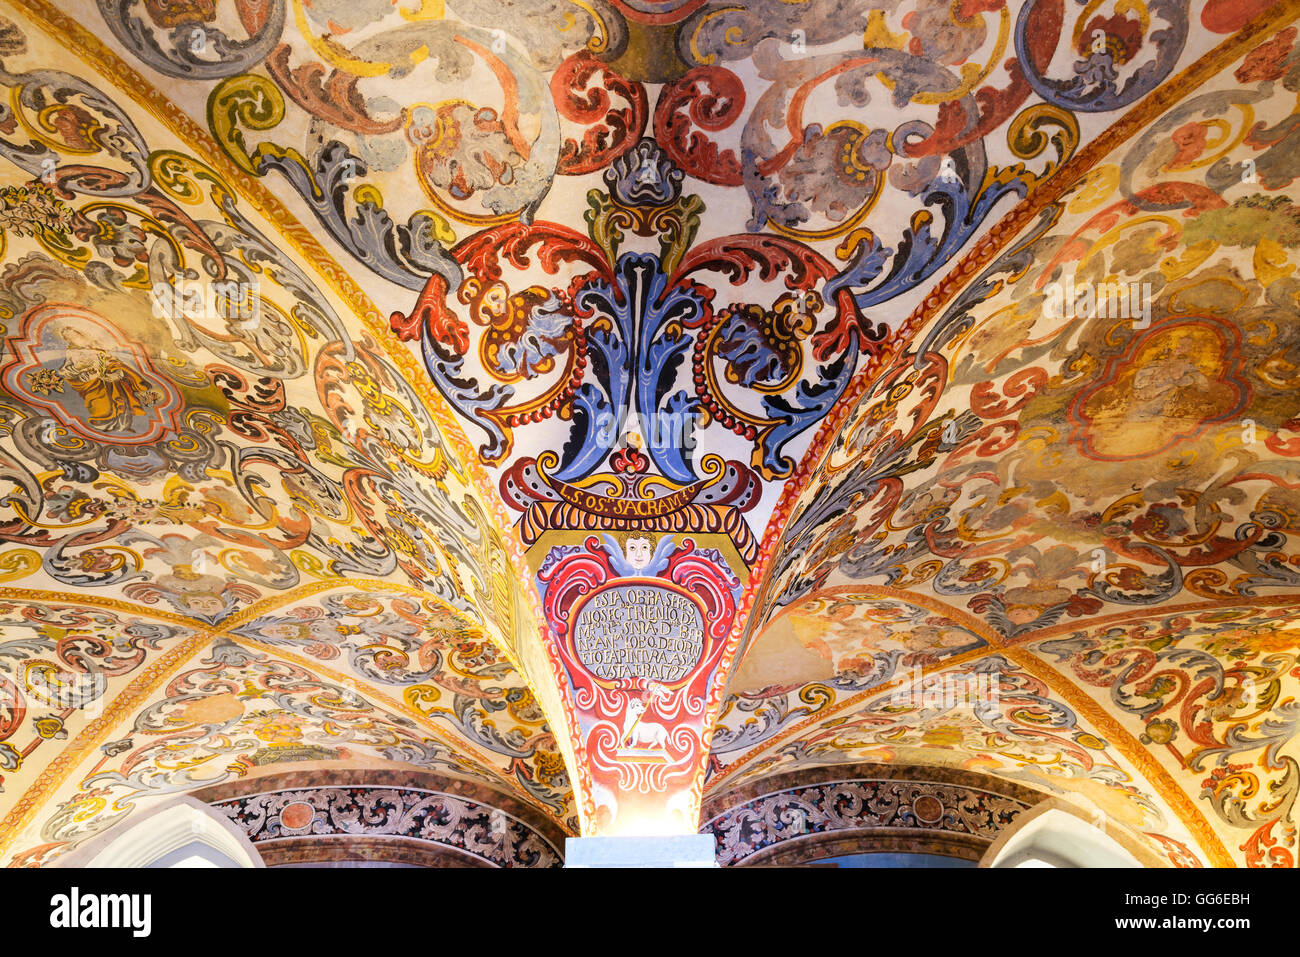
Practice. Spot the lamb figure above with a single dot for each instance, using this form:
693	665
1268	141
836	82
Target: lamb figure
638	733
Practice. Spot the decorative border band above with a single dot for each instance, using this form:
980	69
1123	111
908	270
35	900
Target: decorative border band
935	813
395	813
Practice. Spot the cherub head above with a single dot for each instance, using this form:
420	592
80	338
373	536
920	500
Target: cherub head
639	551
204	602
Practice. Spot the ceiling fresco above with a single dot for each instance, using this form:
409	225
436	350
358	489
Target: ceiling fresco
1119	474
611	406
208	473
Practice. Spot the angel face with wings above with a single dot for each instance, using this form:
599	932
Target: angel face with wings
639	555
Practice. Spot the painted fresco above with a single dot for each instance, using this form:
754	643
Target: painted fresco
640	633
1100	427
612	403
203	442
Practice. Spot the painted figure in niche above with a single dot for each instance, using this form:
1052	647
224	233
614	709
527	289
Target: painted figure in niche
1169	383
114	394
1179	379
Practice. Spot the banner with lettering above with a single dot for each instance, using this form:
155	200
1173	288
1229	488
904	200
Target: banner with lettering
640	626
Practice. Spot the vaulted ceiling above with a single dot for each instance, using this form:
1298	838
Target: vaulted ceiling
929	368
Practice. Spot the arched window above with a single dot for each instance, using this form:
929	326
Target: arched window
1057	834
181	833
